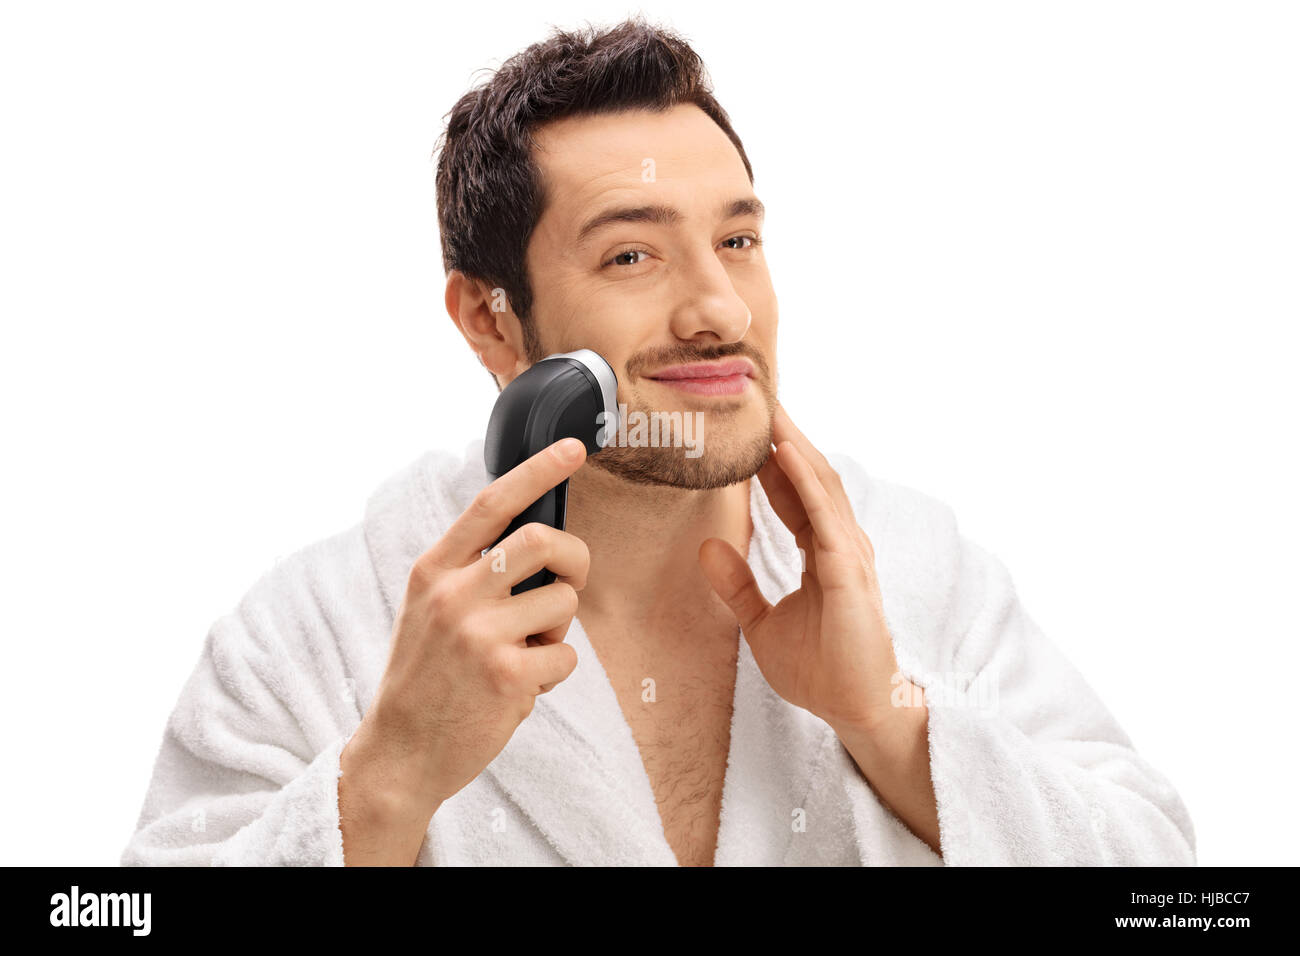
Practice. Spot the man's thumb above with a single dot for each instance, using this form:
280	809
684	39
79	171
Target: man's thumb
733	581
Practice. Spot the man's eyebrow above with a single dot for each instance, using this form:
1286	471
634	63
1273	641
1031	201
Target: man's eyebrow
663	215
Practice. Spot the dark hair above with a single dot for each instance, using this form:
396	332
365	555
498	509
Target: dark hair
489	189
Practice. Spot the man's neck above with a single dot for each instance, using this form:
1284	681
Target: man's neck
644	542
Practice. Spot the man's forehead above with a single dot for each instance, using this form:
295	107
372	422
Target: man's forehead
611	158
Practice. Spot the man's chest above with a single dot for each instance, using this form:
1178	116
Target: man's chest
678	705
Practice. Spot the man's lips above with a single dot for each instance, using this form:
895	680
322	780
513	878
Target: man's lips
708	378
705	370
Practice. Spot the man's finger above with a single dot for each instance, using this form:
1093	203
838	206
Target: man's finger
781	494
547	664
526	551
831	534
499	503
784	429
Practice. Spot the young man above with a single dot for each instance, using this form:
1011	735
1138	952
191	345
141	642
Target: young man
755	654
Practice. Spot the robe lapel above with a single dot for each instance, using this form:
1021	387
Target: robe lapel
574	769
775	747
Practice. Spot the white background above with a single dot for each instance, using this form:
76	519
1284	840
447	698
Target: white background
1036	259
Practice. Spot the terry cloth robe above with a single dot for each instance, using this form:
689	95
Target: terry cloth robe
248	769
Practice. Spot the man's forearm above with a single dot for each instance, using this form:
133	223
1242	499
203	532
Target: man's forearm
894	758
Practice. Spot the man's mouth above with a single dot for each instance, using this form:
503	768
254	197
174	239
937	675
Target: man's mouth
730	377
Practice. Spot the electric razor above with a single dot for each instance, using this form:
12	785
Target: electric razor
562	396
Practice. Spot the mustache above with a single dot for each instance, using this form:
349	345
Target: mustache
685	354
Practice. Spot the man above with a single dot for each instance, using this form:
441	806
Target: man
752	655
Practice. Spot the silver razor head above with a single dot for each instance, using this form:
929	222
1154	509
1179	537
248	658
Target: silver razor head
598	367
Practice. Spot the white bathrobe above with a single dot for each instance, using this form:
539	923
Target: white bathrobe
1037	773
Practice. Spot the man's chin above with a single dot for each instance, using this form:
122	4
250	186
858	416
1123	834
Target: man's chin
690	449
684	468
669	468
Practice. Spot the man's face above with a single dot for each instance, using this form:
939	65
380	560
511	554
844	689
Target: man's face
649	294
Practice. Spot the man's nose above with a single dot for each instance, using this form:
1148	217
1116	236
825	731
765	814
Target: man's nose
710	306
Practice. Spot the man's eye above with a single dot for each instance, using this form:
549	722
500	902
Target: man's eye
626	252
618	257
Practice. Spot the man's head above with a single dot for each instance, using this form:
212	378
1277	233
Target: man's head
593	195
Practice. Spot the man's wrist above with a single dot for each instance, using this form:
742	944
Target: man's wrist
876	742
892	751
382	817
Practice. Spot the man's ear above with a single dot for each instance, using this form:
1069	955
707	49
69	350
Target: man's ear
484	317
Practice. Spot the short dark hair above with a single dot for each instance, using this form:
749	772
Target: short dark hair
489	189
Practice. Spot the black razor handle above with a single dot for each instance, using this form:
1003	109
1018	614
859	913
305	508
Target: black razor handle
562	396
